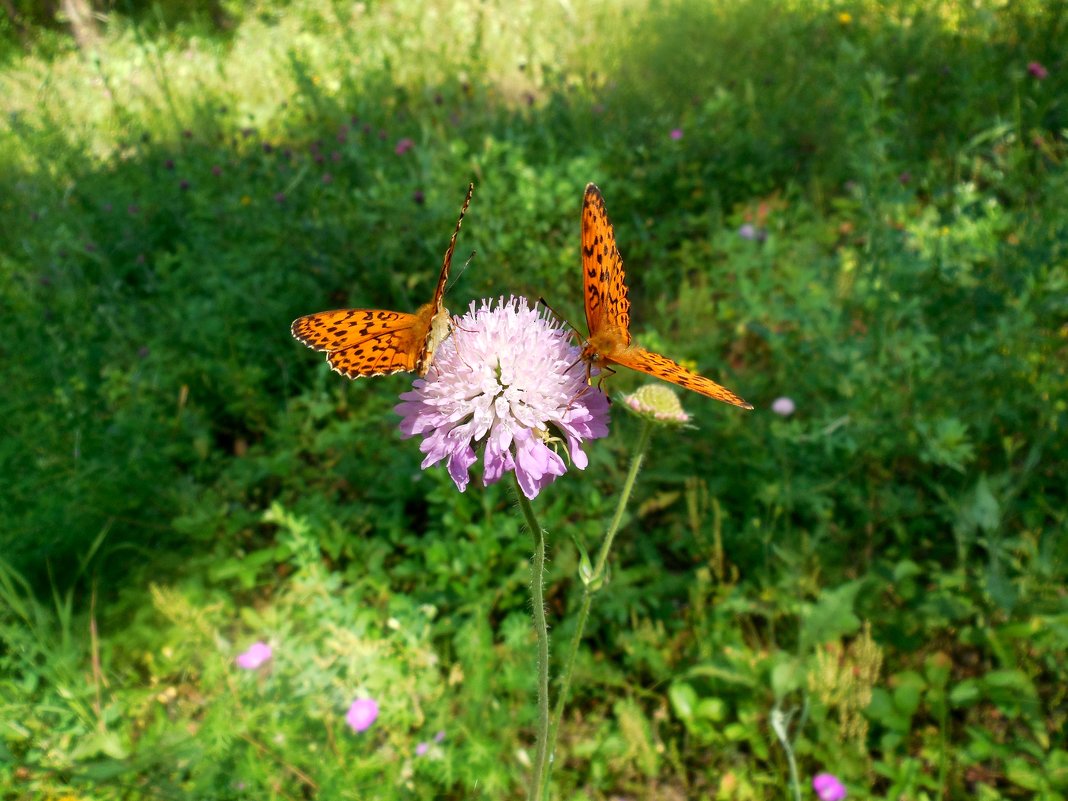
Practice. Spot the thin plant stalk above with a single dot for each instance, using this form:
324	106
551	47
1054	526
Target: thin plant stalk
539	775
595	580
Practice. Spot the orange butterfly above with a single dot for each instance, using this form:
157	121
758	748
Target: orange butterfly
608	310
366	342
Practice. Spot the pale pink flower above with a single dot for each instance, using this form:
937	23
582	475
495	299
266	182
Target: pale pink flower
257	654
403	146
783	406
509	380
362	714
676	134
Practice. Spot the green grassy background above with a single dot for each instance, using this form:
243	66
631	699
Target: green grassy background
180	478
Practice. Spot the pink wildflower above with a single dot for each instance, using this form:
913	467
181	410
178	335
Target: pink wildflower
1037	70
362	714
828	787
783	406
257	654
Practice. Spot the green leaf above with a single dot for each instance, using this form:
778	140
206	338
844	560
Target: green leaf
831	617
683	699
965	693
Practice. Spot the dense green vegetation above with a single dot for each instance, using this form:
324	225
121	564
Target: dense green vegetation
855	205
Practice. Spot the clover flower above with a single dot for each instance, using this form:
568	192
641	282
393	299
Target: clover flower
257	654
828	787
1037	70
511	380
362	714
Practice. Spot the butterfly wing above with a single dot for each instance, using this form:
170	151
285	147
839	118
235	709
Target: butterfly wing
604	290
366	342
608	310
645	361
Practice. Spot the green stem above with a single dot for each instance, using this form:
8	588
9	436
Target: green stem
595	580
539	778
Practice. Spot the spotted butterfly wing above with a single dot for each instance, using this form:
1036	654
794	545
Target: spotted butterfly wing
368	342
608	310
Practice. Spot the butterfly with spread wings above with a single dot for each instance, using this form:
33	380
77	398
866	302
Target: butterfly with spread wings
367	342
608	310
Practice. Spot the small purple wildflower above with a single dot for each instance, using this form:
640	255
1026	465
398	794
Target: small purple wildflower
327	178
184	185
783	406
905	178
362	714
828	787
440	736
216	169
421	749
280	197
748	231
257	654
676	134
419	197
1037	70
403	146
169	164
510	378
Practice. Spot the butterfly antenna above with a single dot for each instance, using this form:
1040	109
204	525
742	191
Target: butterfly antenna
561	318
456	277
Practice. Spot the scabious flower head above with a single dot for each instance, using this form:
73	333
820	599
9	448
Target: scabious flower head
783	406
362	714
510	379
676	134
256	655
657	402
828	787
403	146
421	749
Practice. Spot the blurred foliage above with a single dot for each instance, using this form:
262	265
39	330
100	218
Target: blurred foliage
861	208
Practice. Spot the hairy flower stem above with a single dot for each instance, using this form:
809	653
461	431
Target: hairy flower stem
595	580
539	777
